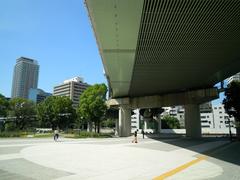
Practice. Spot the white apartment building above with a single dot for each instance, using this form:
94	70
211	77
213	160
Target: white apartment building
135	120
178	112
212	117
220	118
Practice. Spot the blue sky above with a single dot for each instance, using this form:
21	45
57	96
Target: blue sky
57	33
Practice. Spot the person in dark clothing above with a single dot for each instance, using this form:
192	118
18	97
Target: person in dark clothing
56	134
143	133
135	137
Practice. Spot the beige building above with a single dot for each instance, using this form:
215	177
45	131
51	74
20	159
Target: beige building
71	88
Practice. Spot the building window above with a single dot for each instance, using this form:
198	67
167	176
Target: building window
205	126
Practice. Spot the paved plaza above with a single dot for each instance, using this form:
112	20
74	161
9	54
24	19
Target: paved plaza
119	158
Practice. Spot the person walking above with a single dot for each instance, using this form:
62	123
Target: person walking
143	133
56	134
135	137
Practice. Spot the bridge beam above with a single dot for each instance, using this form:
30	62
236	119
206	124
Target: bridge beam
189	97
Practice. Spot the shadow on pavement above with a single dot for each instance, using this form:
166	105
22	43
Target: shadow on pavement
228	152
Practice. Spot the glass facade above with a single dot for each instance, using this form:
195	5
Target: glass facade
37	95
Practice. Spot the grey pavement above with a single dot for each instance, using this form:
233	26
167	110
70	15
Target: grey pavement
229	159
117	158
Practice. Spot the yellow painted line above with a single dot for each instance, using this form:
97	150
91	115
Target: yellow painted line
180	168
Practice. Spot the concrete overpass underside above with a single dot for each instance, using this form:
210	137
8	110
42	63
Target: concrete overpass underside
162	47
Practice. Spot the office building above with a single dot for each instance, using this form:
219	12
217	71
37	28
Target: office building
37	95
71	88
25	76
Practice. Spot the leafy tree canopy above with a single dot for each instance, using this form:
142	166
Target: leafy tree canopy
4	104
56	111
232	100
23	110
92	105
169	122
232	103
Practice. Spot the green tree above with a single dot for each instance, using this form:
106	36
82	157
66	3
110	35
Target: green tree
232	103
92	105
24	112
169	122
4	105
109	123
56	111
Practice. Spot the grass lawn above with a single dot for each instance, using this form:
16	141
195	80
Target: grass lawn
82	134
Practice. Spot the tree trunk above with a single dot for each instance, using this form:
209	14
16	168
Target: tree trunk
95	126
98	130
89	128
237	124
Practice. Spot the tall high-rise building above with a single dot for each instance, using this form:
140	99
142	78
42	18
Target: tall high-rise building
71	88
25	77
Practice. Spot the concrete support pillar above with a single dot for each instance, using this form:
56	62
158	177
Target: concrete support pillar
145	124
117	127
192	121
124	129
159	124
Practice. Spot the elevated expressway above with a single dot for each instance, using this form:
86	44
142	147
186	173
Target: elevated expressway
166	52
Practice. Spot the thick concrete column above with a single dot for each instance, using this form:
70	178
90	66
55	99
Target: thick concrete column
192	121
145	124
159	124
117	127
124	121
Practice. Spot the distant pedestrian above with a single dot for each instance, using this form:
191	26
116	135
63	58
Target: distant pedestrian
135	137
56	134
143	133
